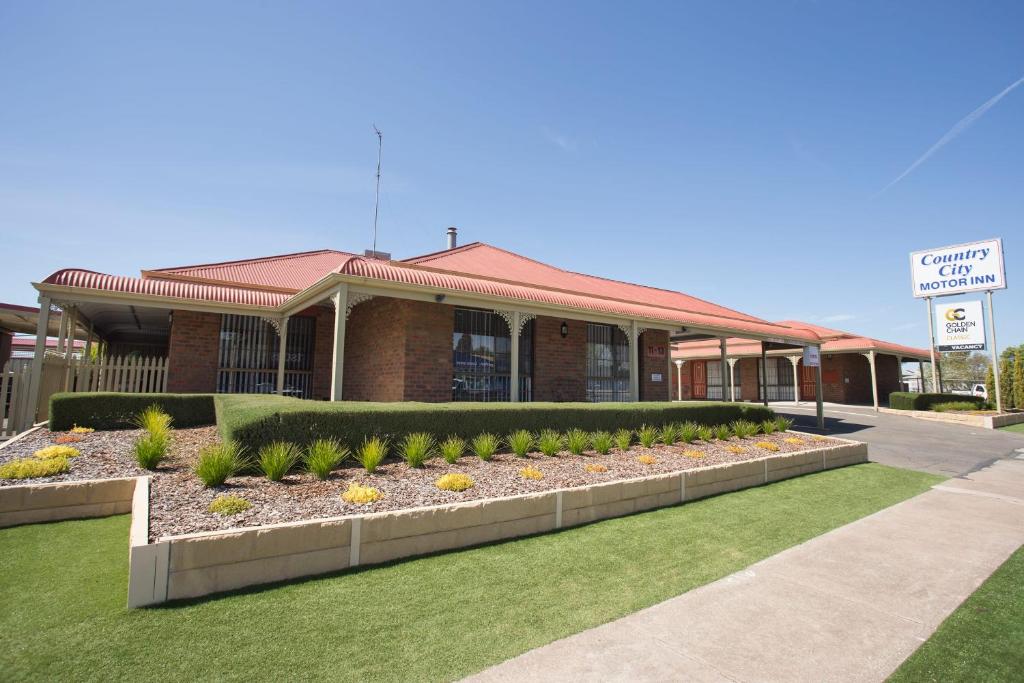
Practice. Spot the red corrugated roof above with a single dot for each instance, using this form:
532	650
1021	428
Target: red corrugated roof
485	260
293	272
174	289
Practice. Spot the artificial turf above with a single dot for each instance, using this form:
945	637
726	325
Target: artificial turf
63	589
983	640
1019	428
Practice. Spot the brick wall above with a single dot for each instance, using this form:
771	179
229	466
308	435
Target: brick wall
889	377
749	378
323	350
654	351
429	328
559	365
192	352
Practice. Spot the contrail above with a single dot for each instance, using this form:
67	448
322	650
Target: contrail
962	125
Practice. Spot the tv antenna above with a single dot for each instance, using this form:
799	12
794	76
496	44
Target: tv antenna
376	201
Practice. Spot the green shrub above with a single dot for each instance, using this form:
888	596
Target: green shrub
219	461
783	424
623	439
485	446
323	456
669	434
112	410
520	442
416	448
229	505
602	442
769	427
454	482
550	443
577	440
647	435
372	453
705	433
30	468
452	449
957	405
722	432
909	400
688	432
257	419
150	449
744	428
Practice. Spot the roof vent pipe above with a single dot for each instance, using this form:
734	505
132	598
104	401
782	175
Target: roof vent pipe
453	233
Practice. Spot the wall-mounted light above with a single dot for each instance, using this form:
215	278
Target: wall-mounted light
439	298
564	329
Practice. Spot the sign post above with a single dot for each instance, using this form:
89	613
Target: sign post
931	347
995	356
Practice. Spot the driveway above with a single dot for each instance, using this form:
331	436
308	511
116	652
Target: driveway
947	449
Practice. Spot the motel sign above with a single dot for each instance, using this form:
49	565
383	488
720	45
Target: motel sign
973	267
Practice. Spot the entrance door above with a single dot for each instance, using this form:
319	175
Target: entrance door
699	378
808	383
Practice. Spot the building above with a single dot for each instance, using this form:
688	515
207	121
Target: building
16	319
854	369
469	323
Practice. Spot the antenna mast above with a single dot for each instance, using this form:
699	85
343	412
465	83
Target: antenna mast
376	202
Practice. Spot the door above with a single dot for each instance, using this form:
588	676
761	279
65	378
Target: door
699	378
808	383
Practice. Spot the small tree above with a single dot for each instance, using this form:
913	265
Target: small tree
1006	368
990	385
1018	378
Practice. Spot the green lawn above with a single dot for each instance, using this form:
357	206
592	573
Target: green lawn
63	586
983	640
1019	428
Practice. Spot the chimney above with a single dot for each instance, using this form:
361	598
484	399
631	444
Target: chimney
452	237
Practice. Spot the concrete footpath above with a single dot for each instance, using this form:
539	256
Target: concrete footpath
849	605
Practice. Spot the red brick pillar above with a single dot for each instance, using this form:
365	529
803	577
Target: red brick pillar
559	363
654	349
192	352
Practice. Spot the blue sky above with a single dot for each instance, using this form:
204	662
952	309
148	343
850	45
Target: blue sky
734	151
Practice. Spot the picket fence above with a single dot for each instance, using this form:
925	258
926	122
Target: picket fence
15	414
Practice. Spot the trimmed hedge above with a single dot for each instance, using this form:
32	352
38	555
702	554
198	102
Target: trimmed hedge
909	400
112	410
254	421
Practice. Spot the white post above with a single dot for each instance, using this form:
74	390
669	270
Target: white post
340	298
931	347
870	355
725	363
795	360
732	380
679	378
282	353
995	355
87	354
920	372
634	362
61	327
42	326
69	345
514	333
818	391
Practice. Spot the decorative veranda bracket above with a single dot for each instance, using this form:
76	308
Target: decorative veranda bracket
509	318
354	299
628	331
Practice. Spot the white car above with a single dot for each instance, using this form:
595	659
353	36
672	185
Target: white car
979	390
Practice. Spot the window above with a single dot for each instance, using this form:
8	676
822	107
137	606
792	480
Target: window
715	381
779	379
607	364
247	360
482	357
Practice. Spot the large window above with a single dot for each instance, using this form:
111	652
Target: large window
482	357
247	363
607	364
715	382
778	376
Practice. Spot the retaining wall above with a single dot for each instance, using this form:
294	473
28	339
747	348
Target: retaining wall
981	421
33	503
199	564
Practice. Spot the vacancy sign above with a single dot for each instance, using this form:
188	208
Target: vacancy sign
812	357
972	267
961	326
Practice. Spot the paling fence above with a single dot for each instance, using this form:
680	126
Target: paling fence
15	413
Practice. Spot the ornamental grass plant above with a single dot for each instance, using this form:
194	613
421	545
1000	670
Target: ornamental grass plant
744	429
485	446
722	432
452	449
577	440
705	433
149	449
277	458
647	435
416	448
324	456
688	432
669	434
550	443
601	442
372	453
218	462
520	442
623	439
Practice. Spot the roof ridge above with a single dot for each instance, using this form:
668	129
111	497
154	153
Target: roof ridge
257	259
587	275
